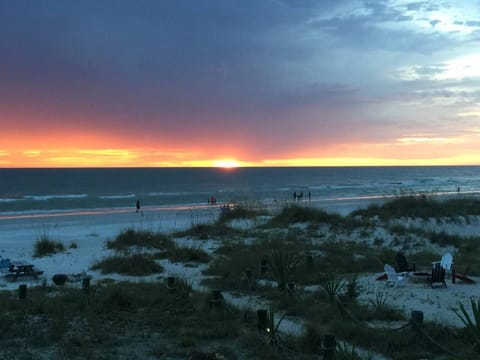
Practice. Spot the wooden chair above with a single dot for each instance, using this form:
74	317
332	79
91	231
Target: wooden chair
402	264
438	275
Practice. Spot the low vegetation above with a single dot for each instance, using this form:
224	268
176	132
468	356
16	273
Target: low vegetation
46	247
134	265
304	273
421	206
132	238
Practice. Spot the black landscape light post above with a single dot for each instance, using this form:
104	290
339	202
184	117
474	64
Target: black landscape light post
86	284
217	300
22	291
309	260
328	346
416	322
263	265
171	283
262	320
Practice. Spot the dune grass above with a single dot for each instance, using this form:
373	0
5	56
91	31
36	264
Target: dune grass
139	238
134	265
182	324
421	206
46	247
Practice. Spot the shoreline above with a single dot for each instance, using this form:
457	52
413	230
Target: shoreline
330	202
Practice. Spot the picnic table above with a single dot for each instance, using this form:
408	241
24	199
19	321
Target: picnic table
21	270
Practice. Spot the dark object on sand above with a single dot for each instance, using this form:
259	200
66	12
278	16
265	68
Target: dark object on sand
16	271
402	264
22	292
59	279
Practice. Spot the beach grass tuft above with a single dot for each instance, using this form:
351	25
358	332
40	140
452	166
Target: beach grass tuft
238	212
185	254
134	265
207	231
297	214
139	238
421	206
46	247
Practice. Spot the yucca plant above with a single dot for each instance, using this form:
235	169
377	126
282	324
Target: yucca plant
269	327
380	301
332	286
346	352
472	325
282	265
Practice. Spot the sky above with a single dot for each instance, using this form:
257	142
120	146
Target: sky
239	83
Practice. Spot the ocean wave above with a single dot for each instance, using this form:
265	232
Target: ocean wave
174	193
57	196
9	200
119	196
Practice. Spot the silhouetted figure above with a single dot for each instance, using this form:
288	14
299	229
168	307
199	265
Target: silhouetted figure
402	264
138	206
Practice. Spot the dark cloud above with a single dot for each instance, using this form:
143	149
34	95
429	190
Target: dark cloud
424	6
364	30
279	68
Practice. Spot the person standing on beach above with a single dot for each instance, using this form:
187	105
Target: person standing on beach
138	205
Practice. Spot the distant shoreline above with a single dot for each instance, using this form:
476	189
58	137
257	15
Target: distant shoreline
342	205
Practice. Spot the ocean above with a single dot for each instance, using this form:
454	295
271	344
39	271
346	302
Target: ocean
41	190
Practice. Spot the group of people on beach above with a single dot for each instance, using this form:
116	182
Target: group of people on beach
298	197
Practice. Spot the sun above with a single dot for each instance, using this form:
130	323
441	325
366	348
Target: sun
226	164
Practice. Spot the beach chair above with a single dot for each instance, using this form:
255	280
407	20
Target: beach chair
447	262
394	279
402	264
438	275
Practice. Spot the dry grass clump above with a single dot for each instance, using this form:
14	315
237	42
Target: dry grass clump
139	238
134	265
422	207
45	247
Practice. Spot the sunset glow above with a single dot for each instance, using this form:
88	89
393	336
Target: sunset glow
227	164
348	83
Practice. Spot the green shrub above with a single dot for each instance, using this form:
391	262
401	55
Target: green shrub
472	323
297	214
135	265
332	286
238	212
206	231
133	238
421	206
282	265
186	254
45	247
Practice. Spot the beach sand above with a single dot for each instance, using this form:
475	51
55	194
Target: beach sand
90	231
